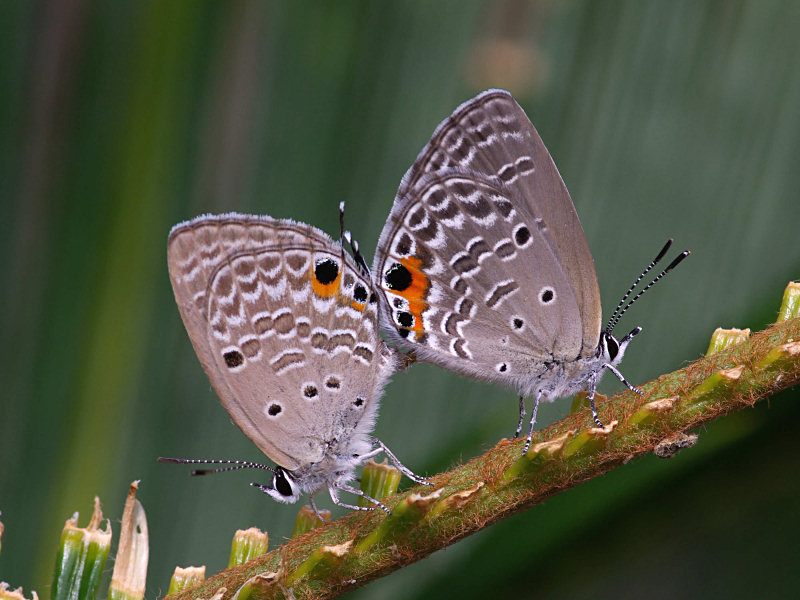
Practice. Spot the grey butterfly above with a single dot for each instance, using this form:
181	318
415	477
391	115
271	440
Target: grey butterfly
285	324
483	266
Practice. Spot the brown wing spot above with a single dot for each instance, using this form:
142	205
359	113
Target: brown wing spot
465	264
288	359
342	339
251	348
284	323
262	324
458	348
500	292
363	352
319	340
303	329
233	359
505	249
223	284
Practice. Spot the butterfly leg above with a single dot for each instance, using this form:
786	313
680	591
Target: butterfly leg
621	377
521	416
343	486
400	466
595	416
533	421
315	509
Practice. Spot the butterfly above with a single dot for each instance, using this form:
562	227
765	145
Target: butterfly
483	267
285	324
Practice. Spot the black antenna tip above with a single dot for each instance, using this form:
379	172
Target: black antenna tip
677	261
663	251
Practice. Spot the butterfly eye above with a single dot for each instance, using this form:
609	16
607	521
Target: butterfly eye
611	345
281	483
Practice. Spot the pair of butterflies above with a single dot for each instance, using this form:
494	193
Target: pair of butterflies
482	268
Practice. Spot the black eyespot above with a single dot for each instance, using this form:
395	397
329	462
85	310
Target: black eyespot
522	235
310	391
274	410
326	271
398	277
398	302
518	323
360	293
405	319
403	332
281	483
502	367
373	298
233	358
547	295
359	401
332	383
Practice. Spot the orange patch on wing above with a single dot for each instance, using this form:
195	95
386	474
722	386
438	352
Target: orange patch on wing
359	306
324	290
416	292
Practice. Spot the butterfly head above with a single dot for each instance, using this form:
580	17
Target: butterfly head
610	350
284	489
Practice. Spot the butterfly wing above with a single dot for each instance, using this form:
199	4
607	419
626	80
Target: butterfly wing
471	282
285	326
492	136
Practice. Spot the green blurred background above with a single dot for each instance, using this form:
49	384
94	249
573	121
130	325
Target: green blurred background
119	119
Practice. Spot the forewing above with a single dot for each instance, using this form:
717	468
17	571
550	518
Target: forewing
472	283
285	330
491	135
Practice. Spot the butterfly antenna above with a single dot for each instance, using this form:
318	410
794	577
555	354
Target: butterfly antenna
348	237
676	261
237	464
647	269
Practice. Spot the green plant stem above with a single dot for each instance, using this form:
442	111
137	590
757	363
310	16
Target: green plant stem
713	386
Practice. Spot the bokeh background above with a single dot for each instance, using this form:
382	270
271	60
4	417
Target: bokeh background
119	119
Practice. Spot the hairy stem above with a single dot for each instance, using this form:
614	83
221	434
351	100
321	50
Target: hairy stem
361	547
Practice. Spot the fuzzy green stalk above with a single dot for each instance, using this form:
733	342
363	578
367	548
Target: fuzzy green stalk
379	481
323	560
790	307
185	577
81	557
307	520
246	545
722	339
407	513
